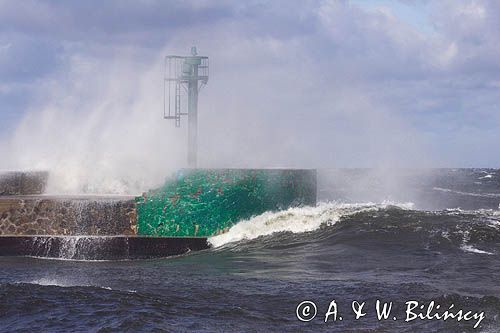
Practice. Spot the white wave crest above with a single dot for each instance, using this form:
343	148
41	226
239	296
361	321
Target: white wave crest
469	248
66	283
483	195
53	282
296	220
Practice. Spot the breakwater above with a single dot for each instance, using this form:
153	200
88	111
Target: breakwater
174	218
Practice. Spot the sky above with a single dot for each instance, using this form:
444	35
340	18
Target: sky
292	83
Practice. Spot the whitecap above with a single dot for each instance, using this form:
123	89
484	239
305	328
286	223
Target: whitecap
296	220
483	195
469	248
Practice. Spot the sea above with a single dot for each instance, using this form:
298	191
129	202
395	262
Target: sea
382	251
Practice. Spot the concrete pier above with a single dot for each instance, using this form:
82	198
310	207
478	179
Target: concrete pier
173	219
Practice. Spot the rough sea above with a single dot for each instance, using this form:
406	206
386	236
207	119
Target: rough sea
426	240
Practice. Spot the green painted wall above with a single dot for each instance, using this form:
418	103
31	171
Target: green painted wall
206	202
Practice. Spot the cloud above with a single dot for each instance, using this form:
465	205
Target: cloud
317	84
98	21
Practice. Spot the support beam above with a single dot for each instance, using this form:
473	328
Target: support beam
193	119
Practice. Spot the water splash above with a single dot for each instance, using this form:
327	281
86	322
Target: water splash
70	247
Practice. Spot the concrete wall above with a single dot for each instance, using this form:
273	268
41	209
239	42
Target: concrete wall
98	248
32	215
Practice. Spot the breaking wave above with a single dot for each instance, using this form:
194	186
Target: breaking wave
297	220
475	232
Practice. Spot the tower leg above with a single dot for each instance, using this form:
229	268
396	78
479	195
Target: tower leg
193	121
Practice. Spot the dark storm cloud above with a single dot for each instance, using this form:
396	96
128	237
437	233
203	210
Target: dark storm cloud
106	21
39	34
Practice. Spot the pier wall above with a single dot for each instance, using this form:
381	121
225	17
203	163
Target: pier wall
192	203
66	216
99	248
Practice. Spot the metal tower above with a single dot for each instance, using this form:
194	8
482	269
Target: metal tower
183	78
